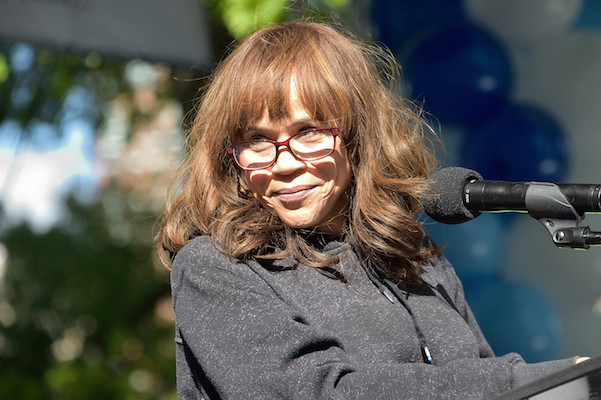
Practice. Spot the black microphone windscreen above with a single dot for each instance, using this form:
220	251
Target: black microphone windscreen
445	201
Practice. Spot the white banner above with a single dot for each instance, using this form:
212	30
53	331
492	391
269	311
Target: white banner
173	31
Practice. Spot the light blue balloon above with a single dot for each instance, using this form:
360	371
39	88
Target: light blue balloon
475	248
398	22
590	15
461	72
517	318
519	143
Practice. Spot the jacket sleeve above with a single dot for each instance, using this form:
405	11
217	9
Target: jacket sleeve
448	284
238	339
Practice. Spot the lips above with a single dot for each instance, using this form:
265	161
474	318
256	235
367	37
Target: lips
295	193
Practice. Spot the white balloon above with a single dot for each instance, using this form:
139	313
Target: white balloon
524	22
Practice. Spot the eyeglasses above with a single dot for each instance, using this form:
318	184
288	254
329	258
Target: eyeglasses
308	145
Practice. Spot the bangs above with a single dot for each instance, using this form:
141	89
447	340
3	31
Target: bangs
268	73
273	95
264	91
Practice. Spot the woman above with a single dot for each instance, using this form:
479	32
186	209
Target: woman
300	270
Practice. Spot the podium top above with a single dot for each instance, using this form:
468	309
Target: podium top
578	382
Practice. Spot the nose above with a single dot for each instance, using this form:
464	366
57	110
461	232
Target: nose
286	163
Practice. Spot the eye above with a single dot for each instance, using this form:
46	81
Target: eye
255	136
307	128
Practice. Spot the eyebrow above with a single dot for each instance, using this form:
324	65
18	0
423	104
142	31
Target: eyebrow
304	121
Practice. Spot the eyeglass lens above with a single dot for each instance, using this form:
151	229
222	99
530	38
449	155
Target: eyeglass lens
307	146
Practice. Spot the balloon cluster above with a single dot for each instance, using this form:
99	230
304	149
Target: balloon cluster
514	78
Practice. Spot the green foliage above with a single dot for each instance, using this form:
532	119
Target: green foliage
84	307
35	88
84	322
4	69
336	4
242	17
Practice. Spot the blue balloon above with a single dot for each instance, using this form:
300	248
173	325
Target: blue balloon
475	248
520	143
396	22
461	71
517	318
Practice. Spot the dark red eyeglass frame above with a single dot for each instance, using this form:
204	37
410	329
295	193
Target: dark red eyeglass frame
230	149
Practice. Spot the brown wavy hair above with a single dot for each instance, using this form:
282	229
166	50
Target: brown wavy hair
339	78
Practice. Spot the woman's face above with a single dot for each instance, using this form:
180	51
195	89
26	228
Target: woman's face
304	194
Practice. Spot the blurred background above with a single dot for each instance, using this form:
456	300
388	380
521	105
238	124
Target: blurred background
95	97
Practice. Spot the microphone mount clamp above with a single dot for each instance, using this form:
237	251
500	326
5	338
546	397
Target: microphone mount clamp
559	216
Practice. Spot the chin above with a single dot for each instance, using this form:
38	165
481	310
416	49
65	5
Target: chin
300	223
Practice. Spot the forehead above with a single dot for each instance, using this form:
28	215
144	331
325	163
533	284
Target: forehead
294	112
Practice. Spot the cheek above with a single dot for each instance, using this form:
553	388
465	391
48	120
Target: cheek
328	172
343	171
258	182
344	179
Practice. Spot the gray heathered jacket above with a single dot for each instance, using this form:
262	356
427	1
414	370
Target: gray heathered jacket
287	331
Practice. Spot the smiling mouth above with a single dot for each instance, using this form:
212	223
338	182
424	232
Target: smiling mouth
294	194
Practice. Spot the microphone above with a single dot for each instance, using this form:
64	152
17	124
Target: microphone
459	195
